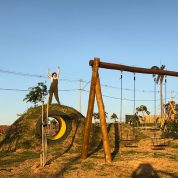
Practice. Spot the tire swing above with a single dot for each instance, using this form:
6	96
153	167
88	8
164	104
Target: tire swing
64	123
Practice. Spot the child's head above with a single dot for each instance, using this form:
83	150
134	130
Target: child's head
54	74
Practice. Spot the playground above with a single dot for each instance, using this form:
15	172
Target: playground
61	142
66	162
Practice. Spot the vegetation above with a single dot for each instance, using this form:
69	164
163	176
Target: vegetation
158	79
114	117
97	117
139	115
172	129
35	93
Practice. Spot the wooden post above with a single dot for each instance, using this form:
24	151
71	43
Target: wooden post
43	155
103	122
135	69
90	109
43	134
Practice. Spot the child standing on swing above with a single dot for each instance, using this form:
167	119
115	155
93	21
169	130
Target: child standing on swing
54	85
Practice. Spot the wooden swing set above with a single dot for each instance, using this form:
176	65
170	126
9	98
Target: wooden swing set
95	91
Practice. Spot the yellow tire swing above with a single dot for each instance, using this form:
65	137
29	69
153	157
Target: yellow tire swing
61	130
65	125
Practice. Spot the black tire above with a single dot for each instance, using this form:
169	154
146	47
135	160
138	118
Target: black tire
56	114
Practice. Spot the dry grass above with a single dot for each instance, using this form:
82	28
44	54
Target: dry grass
64	158
140	161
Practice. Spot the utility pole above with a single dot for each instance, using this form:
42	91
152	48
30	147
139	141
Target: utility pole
80	95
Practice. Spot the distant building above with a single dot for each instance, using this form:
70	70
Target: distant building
3	129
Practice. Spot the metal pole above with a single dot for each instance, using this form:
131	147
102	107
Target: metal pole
80	95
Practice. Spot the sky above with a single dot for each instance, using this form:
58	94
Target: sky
39	34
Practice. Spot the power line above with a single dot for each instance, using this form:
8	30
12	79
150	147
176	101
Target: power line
72	80
23	90
21	74
126	99
12	89
75	89
35	75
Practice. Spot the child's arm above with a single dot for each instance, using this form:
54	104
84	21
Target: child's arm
58	72
49	76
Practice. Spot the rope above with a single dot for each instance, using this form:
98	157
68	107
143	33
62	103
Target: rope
134	95
165	90
155	98
121	99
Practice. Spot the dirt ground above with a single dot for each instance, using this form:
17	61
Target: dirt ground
136	161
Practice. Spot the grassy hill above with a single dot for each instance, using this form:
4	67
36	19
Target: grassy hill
23	133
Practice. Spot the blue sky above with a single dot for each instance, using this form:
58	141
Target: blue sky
37	34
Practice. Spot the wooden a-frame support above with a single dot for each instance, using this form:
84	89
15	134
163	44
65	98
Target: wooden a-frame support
95	90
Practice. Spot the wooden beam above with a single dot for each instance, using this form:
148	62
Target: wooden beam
135	69
90	109
101	109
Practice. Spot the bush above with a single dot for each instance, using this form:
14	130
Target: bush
172	129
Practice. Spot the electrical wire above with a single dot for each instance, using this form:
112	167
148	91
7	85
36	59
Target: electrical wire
35	75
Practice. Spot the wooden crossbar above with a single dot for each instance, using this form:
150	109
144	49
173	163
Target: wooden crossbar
134	69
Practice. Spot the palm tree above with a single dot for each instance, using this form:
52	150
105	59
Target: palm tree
158	79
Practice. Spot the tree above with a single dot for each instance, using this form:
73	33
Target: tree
135	120
158	79
143	109
35	93
114	117
97	117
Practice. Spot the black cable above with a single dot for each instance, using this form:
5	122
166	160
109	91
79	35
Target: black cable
34	75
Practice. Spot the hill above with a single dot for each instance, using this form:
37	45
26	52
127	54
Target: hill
24	132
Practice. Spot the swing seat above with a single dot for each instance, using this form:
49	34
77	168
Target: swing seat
159	143
131	143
